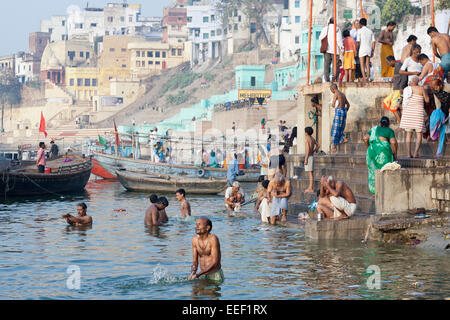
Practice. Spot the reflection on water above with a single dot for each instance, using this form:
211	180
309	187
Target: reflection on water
120	258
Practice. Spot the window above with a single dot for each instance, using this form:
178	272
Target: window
149	54
297	4
112	49
253	81
87	82
287	20
138	53
157	54
110	19
79	82
63	23
106	33
138	63
235	27
206	36
317	35
297	40
130	19
219	32
81	54
63	37
239	18
88	55
297	19
71	54
143	64
213	18
180	52
174	51
124	66
189	19
235	12
163	54
157	62
252	27
78	26
213	33
93	25
122	19
150	62
94	82
205	19
123	49
72	82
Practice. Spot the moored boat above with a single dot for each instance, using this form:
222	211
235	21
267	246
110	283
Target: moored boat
110	164
62	176
146	182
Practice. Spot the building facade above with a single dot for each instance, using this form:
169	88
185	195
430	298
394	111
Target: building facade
174	25
27	67
8	64
56	26
37	43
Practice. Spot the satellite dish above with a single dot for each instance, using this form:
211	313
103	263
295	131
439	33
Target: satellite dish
72	9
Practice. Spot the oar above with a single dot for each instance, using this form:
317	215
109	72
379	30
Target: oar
249	201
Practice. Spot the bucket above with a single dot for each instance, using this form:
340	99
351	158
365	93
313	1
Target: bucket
48	170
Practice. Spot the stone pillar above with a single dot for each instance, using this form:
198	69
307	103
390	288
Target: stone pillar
301	120
327	119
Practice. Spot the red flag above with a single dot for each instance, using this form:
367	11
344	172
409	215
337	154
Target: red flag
42	125
117	134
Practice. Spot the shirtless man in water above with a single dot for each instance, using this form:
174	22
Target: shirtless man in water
336	200
156	213
440	42
185	207
279	191
206	250
82	220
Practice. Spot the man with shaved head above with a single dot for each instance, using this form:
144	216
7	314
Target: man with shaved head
206	250
279	191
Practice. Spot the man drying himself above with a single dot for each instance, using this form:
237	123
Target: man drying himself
336	199
394	100
340	117
206	250
82	220
155	215
440	43
40	158
279	190
185	207
234	197
311	146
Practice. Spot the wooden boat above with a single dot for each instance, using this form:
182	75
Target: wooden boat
110	164
25	180
144	182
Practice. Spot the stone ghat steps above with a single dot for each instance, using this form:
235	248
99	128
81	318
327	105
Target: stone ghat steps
377	113
339	173
400	135
367	124
427	150
359	189
366	205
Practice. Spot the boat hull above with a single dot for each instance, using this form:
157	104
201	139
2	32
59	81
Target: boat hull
133	181
111	163
32	184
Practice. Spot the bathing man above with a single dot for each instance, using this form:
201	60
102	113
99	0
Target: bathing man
185	207
336	200
206	250
156	214
280	191
82	220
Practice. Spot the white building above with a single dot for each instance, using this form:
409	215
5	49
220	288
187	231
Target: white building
85	22
27	67
205	31
56	26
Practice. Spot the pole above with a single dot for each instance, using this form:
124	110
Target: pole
309	41
335	44
432	22
361	8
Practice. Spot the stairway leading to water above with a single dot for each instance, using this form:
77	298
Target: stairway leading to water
349	164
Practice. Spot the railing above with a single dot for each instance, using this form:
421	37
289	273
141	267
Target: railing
74	168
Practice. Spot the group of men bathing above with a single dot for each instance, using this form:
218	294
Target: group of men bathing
205	245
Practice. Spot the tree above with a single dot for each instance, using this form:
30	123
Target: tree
10	92
254	11
443	5
395	10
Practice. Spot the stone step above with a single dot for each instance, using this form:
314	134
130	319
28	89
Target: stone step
427	150
377	113
339	173
356	137
367	124
365	204
359	189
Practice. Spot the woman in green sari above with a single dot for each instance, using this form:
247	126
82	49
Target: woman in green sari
382	149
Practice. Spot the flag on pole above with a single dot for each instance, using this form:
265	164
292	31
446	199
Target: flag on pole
42	125
117	135
102	141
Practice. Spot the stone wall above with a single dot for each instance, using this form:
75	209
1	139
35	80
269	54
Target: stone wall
405	189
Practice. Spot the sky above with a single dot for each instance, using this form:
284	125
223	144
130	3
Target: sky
18	18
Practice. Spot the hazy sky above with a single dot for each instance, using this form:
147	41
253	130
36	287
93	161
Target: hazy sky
20	17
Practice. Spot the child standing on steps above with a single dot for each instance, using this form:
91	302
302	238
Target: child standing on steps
311	146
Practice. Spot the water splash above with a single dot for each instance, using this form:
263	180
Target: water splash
161	275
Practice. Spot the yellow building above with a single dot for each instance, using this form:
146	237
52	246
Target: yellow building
148	58
82	82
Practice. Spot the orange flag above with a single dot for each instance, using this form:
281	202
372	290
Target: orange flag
42	125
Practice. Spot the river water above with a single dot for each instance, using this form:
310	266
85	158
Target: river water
119	258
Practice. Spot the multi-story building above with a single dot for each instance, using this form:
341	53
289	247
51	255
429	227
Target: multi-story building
205	31
174	25
27	67
85	22
8	64
37	43
56	26
149	58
